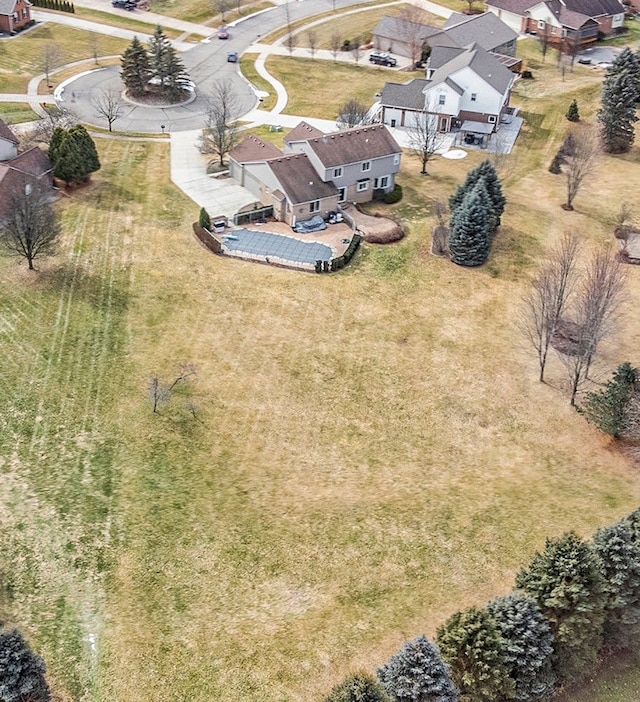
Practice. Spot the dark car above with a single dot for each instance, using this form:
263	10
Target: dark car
124	4
232	56
380	58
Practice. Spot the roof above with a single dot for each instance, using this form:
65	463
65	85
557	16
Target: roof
487	30
353	145
595	8
476	127
398	28
5	129
33	162
251	148
404	95
298	179
573	20
7	6
517	7
302	132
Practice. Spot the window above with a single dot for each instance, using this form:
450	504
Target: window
366	166
474	97
314	206
337	172
393	122
28	188
396	159
382	182
491	118
342	194
24	13
541	24
362	185
564	33
442	99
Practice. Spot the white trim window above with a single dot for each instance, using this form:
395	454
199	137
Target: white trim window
362	185
491	118
442	99
314	206
337	172
366	166
342	194
381	182
474	97
396	159
541	24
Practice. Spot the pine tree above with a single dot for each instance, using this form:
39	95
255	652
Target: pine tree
627	62
176	80
566	582
54	143
471	179
69	164
572	113
471	644
136	71
619	553
87	148
417	673
529	645
204	220
617	113
359	687
21	670
469	228
610	409
488	173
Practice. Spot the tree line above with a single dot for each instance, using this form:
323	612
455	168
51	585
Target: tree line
59	5
575	603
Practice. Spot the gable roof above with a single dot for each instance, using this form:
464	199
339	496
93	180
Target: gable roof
5	129
298	179
517	7
33	162
391	27
354	145
573	20
302	132
595	8
487	30
404	95
252	148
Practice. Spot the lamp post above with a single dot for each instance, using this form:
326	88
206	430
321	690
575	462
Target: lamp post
162	127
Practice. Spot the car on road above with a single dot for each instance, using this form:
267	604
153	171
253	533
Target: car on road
232	56
124	4
223	33
380	58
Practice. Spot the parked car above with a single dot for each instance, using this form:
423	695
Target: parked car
124	4
232	56
380	58
223	33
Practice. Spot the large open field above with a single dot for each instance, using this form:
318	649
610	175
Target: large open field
359	455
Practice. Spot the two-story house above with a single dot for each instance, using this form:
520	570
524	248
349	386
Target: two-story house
466	85
14	14
316	172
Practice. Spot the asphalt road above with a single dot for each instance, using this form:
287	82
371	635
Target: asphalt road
206	64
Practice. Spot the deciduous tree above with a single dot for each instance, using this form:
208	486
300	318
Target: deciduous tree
352	114
220	133
109	105
582	162
425	139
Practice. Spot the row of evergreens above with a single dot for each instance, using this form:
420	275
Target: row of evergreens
575	603
59	5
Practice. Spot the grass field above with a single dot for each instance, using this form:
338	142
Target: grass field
359	455
16	112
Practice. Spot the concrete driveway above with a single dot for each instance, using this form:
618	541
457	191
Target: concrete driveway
598	54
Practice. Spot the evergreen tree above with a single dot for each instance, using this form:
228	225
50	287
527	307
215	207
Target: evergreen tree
21	670
572	113
627	62
177	79
416	673
471	179
87	148
471	644
619	552
136	71
566	582
617	113
69	163
555	166
359	687
204	220
492	183
529	645
610	408
54	143
469	228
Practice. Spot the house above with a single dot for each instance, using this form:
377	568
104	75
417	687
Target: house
467	89
14	14
8	142
569	18
405	38
316	171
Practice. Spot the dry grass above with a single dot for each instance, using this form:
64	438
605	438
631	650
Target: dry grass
206	12
16	112
125	21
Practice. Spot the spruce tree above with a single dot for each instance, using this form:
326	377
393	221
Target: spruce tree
359	687
572	113
471	179
469	228
54	143
204	220
69	164
617	113
417	673
612	408
627	62
566	582
177	78
21	670
488	174
136	71
619	553
471	643
528	647
87	148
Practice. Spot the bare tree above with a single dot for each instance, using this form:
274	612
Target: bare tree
109	105
412	30
220	133
220	7
596	312
51	58
546	303
544	38
425	138
93	41
335	42
31	229
160	392
352	114
356	49
42	129
312	40
581	163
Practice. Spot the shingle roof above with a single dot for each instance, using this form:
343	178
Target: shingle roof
573	20
251	148
5	130
479	60
301	132
353	145
33	162
398	28
518	7
298	179
404	95
595	8
7	6
487	30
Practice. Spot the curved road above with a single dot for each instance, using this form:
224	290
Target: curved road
206	63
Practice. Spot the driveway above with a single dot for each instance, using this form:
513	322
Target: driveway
598	54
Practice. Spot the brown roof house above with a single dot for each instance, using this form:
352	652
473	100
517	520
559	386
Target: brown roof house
14	15
317	171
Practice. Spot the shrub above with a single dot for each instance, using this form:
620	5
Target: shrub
204	220
346	45
394	195
554	166
527	75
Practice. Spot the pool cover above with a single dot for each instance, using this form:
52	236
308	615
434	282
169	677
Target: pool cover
267	244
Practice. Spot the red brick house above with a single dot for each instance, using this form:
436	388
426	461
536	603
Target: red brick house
14	14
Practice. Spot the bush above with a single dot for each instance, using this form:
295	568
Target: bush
527	75
204	220
346	45
341	261
554	167
394	195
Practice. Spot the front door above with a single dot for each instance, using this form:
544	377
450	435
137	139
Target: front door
444	124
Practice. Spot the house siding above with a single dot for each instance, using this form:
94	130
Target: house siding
20	16
8	150
509	18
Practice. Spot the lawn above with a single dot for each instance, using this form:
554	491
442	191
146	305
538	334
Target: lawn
125	21
16	112
207	12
